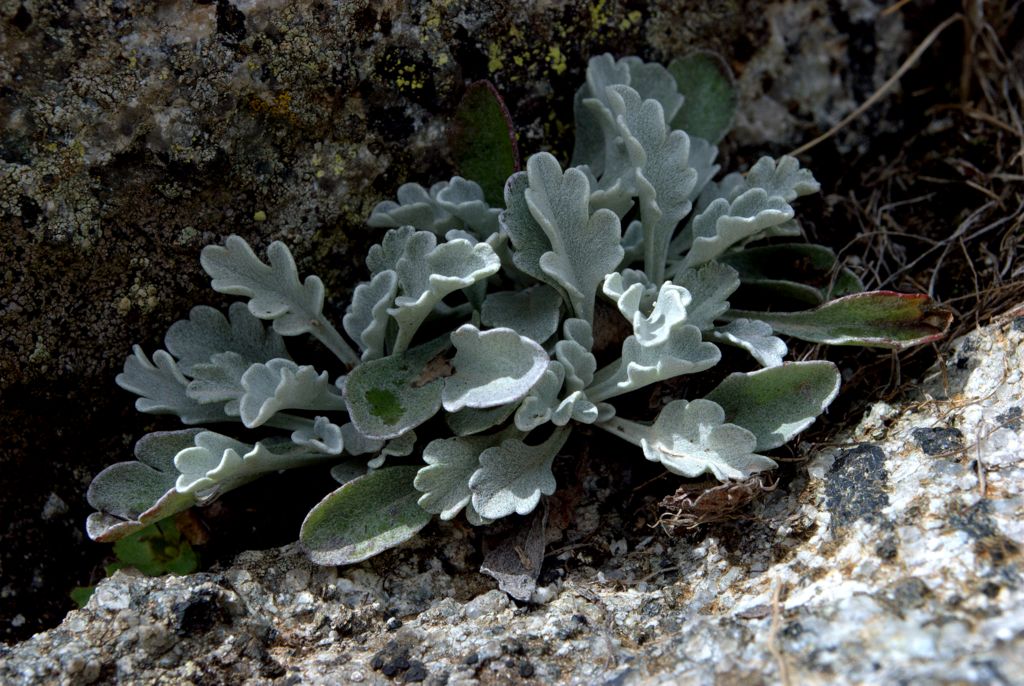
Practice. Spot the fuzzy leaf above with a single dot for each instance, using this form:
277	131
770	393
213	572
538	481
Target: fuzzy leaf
207	332
274	291
448	205
366	321
533	312
356	443
484	140
323	436
591	141
513	475
754	336
584	247
219	381
130	496
724	224
707	85
709	285
389	396
396	447
692	438
283	385
877	318
492	368
451	462
364	517
217	464
680	351
468	421
427	272
528	239
161	388
471	205
665	181
777	403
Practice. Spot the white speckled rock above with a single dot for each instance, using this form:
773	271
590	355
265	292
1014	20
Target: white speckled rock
894	558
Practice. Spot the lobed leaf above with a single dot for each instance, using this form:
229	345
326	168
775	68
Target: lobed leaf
207	332
283	385
162	388
492	368
513	475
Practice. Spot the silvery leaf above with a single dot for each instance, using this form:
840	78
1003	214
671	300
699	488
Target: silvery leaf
492	368
427	272
755	337
724	224
533	312
364	517
396	447
664	179
632	244
323	436
384	256
654	82
129	496
527	238
584	247
366	321
691	439
161	388
207	332
512	476
783	178
591	141
777	403
356	443
274	291
468	420
216	464
632	292
679	352
282	385
573	352
709	285
540	403
464	200
451	462
416	207
219	381
349	470
454	204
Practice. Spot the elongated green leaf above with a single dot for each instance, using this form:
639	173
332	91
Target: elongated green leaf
882	319
777	403
707	85
364	517
483	140
803	272
389	396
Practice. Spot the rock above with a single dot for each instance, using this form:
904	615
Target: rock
881	563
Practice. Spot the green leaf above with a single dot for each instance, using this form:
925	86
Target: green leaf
877	318
81	595
389	396
364	517
131	495
779	402
483	140
156	550
707	85
803	272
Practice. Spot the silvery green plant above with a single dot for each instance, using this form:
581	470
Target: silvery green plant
468	357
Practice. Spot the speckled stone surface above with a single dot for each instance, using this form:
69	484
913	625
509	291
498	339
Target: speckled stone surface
883	562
